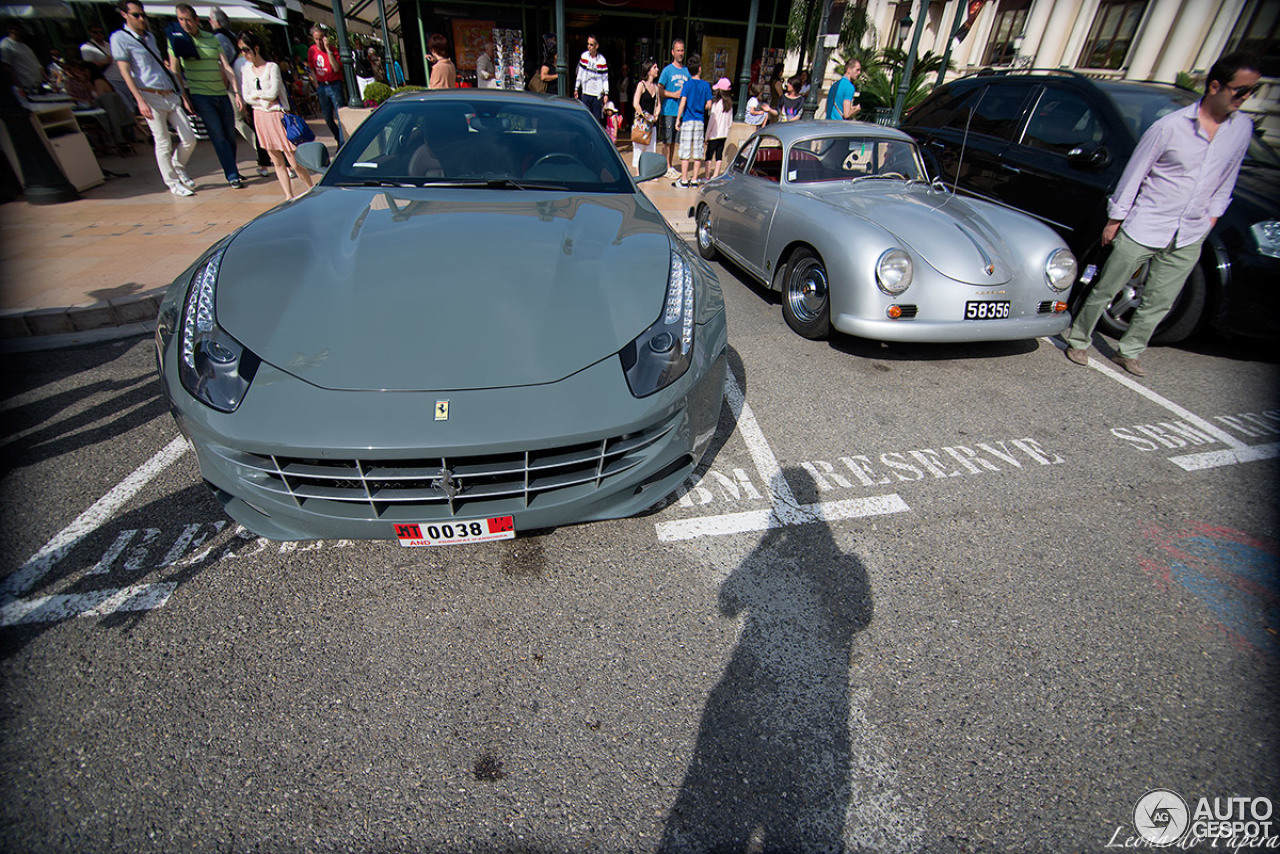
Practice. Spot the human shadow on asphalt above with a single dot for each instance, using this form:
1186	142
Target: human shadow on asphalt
896	350
771	769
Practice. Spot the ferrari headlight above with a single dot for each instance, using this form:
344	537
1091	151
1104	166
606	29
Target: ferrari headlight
893	272
662	353
213	366
1060	269
1267	235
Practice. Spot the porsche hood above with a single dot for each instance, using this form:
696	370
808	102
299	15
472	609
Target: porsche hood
355	288
946	231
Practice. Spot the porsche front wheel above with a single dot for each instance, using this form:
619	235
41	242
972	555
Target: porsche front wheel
806	303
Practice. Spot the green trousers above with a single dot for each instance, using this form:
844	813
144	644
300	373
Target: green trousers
1170	267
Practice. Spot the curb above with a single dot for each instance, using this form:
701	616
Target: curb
123	311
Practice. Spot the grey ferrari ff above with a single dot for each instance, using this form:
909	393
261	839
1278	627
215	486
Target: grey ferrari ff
474	325
842	220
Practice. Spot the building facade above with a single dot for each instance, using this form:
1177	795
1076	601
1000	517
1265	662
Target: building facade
1125	39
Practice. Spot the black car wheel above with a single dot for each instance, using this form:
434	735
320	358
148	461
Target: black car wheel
806	303
706	247
1178	325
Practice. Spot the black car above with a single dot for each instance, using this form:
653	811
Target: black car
1054	144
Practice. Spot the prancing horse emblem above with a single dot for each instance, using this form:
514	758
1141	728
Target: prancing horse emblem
446	484
442	410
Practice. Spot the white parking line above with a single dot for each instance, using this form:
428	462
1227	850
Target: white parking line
784	509
1239	452
39	564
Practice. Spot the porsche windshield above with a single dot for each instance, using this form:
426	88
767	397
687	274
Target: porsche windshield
485	144
846	158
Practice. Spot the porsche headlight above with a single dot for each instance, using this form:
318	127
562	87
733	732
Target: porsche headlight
1060	269
1267	235
662	353
213	366
893	272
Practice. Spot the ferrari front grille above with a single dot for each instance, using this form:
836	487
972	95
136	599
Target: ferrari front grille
426	488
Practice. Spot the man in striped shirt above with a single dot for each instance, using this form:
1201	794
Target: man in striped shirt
209	79
592	86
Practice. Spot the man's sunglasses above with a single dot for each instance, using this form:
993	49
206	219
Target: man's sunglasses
136	14
1240	93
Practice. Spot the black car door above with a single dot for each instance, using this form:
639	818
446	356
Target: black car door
1063	164
970	133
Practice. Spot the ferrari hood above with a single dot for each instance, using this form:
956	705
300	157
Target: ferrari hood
356	288
944	230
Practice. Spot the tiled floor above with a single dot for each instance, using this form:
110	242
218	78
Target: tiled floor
126	236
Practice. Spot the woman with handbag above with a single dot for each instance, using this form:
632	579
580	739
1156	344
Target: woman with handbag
646	104
264	91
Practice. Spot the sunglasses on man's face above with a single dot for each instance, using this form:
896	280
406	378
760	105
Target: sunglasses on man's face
137	14
1240	93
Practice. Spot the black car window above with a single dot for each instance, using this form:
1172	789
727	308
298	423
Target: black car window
1062	121
767	162
946	108
999	111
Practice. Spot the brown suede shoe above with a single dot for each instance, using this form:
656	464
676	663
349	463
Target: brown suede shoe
1133	366
1079	355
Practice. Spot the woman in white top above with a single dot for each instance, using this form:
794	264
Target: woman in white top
263	89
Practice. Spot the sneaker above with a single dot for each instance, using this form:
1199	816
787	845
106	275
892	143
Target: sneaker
185	179
672	172
181	190
292	174
263	171
1133	366
237	183
684	185
1079	355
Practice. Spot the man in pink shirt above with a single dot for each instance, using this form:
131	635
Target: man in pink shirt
1174	188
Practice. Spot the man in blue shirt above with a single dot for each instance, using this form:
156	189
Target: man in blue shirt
840	100
670	82
691	122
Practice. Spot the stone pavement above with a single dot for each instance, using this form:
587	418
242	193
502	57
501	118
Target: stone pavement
104	260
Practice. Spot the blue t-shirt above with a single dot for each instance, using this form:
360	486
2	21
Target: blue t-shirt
672	80
696	94
844	90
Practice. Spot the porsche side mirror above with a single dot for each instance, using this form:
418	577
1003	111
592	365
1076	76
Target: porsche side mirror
652	165
313	156
1090	156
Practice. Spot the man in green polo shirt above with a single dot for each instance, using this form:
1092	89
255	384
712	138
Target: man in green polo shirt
208	79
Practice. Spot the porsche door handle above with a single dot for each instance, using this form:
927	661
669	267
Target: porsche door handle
1014	169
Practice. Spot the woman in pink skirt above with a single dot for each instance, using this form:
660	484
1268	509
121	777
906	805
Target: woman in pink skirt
263	89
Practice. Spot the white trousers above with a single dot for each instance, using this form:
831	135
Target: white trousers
167	110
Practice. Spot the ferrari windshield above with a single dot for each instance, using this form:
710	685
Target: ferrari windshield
483	144
845	158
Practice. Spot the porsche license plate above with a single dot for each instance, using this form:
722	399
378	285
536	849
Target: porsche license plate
990	309
451	533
